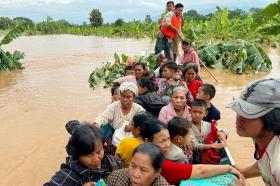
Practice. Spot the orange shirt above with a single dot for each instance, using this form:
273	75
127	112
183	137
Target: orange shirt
176	21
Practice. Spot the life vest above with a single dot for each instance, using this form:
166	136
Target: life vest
175	22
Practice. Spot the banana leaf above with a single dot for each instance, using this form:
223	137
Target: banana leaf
239	57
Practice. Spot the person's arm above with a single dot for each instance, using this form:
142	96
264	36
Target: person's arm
205	171
175	172
107	116
162	115
250	171
196	60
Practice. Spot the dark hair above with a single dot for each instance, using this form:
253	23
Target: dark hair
142	121
170	65
170	2
179	5
178	126
154	127
271	121
145	82
128	68
189	66
154	153
115	86
208	89
199	103
186	42
180	67
83	140
143	65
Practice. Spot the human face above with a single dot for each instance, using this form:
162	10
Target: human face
162	139
141	90
179	100
170	7
200	94
141	170
163	62
167	73
179	73
129	72
190	75
93	160
197	114
178	11
248	127
185	47
138	71
127	98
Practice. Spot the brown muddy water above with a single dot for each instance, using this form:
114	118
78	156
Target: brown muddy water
35	103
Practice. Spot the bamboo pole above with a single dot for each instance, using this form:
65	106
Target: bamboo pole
203	64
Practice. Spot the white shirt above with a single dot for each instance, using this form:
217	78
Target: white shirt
269	163
113	115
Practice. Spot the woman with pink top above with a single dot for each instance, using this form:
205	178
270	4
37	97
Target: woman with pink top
177	106
190	55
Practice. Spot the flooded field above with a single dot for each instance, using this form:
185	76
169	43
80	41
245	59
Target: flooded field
35	103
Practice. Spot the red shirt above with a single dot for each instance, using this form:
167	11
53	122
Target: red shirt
175	172
193	87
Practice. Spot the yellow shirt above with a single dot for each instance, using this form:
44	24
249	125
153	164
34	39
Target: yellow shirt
126	148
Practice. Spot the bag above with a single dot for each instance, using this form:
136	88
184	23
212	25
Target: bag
211	156
119	135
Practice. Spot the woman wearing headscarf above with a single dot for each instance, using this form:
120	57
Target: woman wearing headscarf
118	115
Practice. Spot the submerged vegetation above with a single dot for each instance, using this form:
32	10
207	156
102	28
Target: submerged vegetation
228	39
11	61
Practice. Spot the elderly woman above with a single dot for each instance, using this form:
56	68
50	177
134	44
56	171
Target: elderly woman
144	168
177	107
119	114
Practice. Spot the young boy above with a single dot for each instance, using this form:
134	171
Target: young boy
201	129
180	135
207	92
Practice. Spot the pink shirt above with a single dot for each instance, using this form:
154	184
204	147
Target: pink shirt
131	79
191	56
167	113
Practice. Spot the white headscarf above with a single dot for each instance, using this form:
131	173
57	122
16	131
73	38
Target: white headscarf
129	86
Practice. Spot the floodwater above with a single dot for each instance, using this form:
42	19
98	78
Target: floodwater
35	103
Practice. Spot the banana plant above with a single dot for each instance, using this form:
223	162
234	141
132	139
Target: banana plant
11	61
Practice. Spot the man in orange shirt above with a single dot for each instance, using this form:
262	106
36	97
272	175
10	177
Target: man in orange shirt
170	28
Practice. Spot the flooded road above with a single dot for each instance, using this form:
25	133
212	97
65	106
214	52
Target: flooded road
35	103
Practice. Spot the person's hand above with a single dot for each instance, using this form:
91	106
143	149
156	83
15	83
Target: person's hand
171	82
89	184
96	124
240	179
128	128
115	98
218	145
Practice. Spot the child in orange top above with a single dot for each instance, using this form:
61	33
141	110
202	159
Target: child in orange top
190	74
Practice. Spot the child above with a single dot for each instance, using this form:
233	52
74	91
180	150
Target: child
190	74
127	145
190	55
115	93
129	71
180	136
86	162
201	129
207	92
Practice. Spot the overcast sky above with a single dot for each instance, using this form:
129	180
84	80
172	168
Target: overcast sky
77	11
